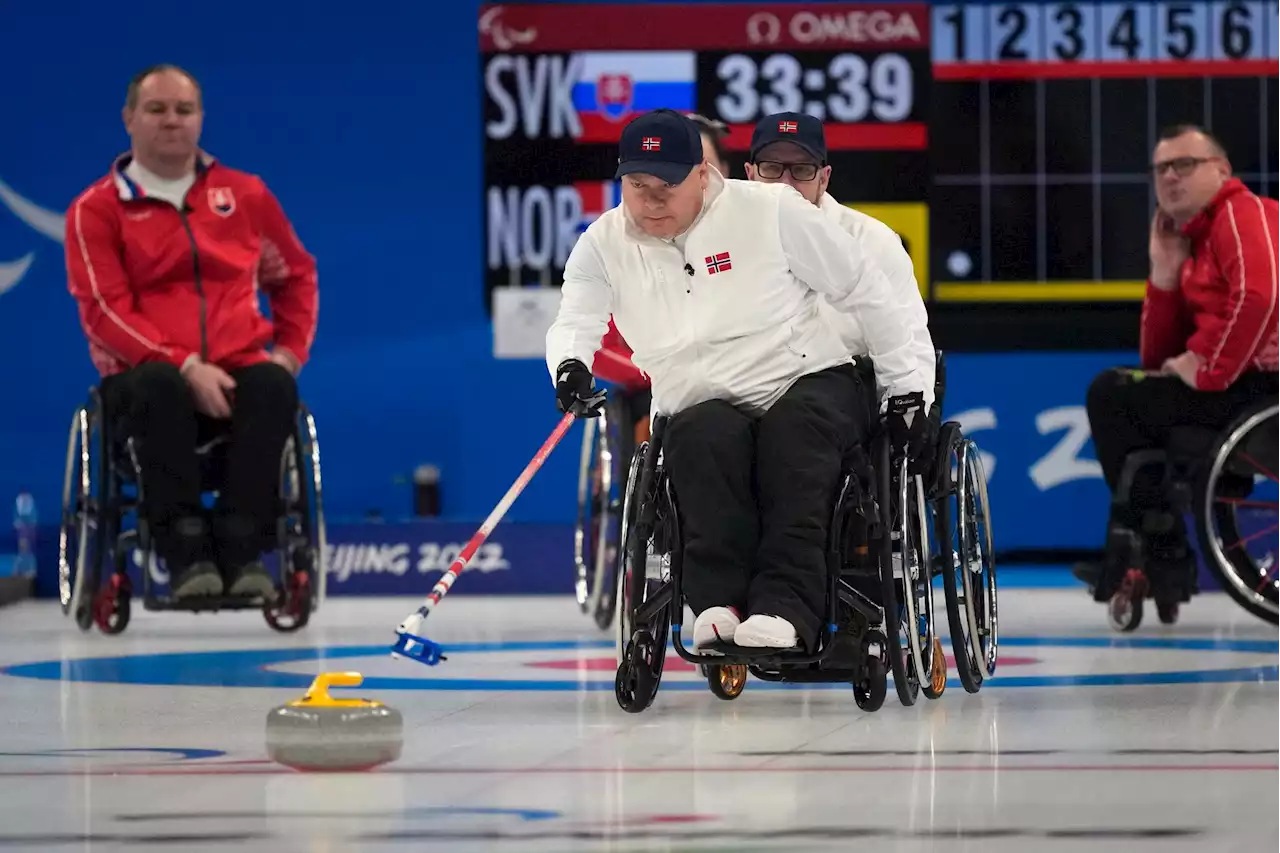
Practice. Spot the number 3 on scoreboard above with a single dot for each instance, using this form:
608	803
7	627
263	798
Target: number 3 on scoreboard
848	89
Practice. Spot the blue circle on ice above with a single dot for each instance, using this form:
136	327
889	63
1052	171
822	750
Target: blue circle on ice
253	668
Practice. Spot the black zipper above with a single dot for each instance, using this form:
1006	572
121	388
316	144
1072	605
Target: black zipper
195	264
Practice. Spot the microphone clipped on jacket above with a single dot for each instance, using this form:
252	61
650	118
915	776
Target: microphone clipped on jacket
688	268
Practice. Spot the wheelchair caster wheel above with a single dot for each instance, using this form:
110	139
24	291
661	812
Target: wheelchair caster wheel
869	693
727	681
111	608
937	683
1124	611
291	609
636	684
1167	611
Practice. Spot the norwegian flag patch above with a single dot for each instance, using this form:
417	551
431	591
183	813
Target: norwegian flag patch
787	127
651	143
718	262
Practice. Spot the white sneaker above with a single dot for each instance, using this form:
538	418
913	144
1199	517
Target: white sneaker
715	624
766	632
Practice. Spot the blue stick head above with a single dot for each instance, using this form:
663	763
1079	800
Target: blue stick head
418	648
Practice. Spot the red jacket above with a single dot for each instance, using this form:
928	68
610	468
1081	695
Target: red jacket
613	362
156	284
1224	309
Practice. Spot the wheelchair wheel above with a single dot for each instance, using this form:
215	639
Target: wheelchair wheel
1236	512
300	536
645	567
79	556
905	681
595	542
947	512
978	558
926	663
727	681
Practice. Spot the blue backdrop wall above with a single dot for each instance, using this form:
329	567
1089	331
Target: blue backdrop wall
366	122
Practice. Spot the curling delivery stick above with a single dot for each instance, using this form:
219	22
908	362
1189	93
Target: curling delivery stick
409	642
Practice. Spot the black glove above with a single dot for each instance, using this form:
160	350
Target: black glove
911	432
575	391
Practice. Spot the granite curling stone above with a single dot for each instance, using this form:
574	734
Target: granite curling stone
319	732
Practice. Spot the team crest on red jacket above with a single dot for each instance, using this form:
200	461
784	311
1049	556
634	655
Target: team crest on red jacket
718	262
222	201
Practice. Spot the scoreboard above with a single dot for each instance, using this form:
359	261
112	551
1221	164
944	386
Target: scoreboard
1040	187
1007	143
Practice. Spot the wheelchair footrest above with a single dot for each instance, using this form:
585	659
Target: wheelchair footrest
768	658
205	603
806	675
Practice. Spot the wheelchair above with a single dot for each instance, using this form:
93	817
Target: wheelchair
1226	481
102	528
878	548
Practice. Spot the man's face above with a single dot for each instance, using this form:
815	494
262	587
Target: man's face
1188	171
165	122
709	154
661	209
778	163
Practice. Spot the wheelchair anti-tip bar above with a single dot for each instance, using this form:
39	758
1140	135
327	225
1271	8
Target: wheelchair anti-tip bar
409	640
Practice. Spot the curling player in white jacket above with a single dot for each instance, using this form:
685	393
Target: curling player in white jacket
791	148
716	284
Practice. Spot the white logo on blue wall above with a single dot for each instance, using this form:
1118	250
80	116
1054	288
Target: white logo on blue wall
1063	463
45	222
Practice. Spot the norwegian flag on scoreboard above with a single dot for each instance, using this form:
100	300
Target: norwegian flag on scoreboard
787	127
597	197
651	143
718	263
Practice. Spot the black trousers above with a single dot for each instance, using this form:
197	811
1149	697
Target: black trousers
1132	410
153	404
756	496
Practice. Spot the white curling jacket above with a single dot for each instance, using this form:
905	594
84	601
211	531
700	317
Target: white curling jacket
743	333
883	244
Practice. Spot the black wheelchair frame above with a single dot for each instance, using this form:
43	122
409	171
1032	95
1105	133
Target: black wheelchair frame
1197	469
94	533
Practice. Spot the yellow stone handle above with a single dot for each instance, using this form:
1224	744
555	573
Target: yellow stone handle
318	692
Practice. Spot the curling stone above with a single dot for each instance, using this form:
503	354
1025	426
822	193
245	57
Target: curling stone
319	732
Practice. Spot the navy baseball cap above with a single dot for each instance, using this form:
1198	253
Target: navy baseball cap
797	128
662	143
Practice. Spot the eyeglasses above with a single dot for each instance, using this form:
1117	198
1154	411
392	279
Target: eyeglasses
800	171
1181	166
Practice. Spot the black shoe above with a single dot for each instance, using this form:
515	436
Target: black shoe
251	579
197	579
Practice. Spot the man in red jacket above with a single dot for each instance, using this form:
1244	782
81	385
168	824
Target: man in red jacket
165	258
1208	337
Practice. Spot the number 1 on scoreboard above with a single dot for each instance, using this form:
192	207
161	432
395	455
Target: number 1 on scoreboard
960	34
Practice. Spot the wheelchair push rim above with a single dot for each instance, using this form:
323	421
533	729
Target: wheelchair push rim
78	523
1250	580
977	557
597	522
918	619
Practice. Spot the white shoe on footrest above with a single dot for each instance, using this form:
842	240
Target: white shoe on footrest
715	625
766	632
